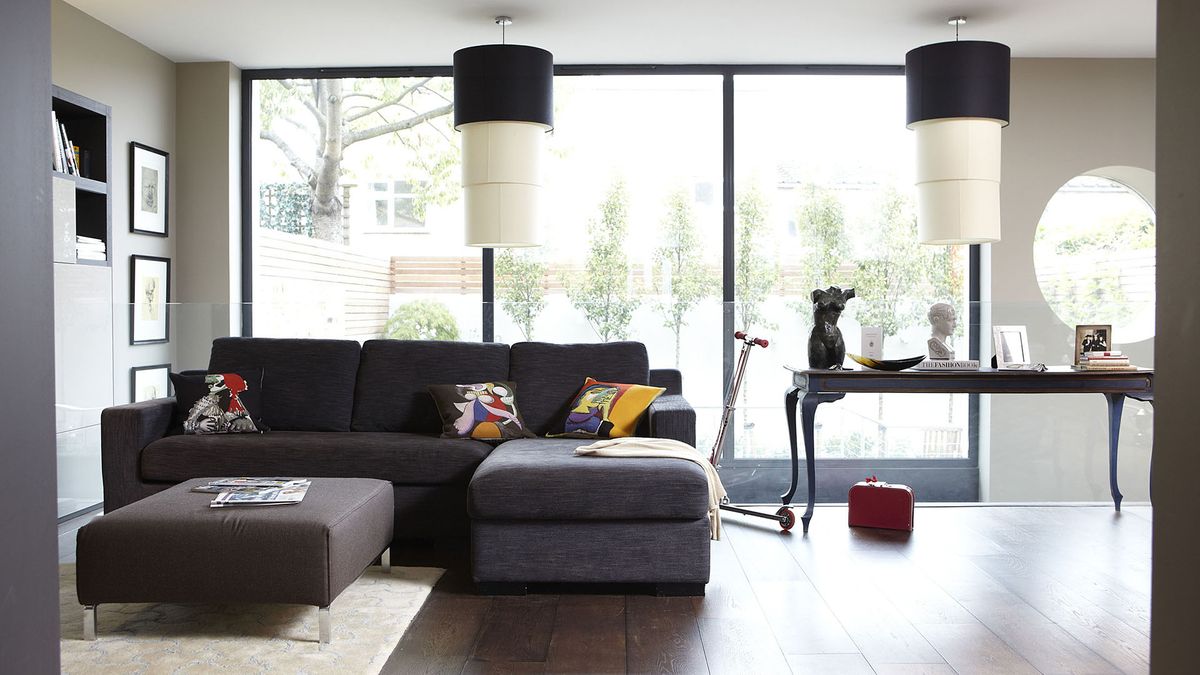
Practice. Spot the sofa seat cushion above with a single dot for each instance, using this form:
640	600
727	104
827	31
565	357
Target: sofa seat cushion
543	479
412	459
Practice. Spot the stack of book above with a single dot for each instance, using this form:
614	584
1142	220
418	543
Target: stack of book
90	248
1104	361
272	491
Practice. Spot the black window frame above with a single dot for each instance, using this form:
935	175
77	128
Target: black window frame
755	480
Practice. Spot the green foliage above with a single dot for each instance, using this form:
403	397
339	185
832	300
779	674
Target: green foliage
519	279
286	207
756	273
314	123
821	226
605	293
889	287
421	320
679	259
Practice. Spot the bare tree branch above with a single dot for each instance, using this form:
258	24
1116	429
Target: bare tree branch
364	134
383	104
306	171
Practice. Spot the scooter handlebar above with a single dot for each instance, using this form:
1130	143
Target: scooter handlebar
744	337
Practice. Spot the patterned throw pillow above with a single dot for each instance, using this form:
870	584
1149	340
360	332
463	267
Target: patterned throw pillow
219	403
607	410
485	411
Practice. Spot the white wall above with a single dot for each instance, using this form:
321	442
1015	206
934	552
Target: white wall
96	61
1068	116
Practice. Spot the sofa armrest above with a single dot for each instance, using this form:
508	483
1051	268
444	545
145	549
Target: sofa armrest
124	431
671	416
668	378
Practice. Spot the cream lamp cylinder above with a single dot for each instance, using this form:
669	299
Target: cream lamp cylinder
957	104
503	105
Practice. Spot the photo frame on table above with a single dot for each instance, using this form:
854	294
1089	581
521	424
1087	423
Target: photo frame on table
1092	338
1012	346
149	190
149	293
147	383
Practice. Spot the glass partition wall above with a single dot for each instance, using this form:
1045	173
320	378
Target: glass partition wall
682	203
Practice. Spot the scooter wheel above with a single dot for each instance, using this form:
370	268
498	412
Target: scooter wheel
787	518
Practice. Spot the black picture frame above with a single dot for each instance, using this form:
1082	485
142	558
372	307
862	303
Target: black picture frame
149	185
133	380
149	308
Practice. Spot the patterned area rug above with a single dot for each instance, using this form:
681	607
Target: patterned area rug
368	619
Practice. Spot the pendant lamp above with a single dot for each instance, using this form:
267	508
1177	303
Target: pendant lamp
957	103
503	105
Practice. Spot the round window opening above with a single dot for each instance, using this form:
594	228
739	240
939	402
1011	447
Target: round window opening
1094	255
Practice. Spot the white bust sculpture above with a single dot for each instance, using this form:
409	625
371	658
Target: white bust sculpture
942	321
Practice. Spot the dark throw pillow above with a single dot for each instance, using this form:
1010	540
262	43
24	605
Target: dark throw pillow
219	403
486	411
606	410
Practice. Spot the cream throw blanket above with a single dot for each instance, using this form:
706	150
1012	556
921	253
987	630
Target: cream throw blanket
671	449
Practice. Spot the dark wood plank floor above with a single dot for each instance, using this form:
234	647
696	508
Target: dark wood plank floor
978	589
975	589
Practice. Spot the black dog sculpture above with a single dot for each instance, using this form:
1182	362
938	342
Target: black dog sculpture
826	348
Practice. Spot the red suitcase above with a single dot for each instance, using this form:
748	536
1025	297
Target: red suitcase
874	503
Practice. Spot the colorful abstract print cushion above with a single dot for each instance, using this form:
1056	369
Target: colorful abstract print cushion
485	411
219	403
607	410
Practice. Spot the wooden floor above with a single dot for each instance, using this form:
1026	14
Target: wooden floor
1059	589
977	589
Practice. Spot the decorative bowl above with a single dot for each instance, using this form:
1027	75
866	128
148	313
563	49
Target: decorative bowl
891	364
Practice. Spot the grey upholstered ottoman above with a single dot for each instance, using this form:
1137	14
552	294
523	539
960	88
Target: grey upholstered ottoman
172	547
541	514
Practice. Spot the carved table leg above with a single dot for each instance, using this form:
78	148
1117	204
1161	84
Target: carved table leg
808	413
1116	404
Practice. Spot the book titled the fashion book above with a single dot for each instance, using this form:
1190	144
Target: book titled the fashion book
262	496
958	364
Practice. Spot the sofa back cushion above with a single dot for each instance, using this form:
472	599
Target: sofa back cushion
308	385
394	376
548	376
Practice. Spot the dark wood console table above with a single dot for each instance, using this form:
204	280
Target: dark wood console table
811	388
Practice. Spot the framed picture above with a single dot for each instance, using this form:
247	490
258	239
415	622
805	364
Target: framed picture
147	383
1012	346
149	293
149	184
1092	338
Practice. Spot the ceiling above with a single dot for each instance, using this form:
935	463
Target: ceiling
300	33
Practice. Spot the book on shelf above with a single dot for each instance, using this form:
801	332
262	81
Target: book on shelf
56	160
90	248
948	364
68	157
1116	352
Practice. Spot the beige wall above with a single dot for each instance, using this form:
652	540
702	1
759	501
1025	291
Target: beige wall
1068	116
1176	586
209	174
96	61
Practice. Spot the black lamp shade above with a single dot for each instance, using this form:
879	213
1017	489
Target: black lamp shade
967	78
497	83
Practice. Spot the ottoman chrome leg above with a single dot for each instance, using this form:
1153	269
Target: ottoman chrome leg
89	622
323	624
385	560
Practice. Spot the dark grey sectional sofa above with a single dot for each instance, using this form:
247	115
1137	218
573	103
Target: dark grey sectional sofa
534	511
